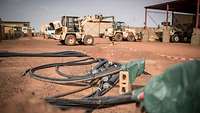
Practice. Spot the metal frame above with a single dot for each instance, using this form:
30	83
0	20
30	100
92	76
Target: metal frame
171	6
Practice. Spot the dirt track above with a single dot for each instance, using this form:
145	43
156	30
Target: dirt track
23	95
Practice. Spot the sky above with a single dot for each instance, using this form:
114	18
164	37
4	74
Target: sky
43	11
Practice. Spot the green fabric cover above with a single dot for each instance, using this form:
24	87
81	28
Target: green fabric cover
177	90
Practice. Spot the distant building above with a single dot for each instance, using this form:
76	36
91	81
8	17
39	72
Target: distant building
15	24
14	29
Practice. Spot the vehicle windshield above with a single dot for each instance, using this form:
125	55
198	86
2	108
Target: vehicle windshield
120	25
71	23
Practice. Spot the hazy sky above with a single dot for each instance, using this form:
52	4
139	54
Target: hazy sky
43	11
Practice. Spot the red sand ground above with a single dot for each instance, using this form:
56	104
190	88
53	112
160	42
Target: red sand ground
24	95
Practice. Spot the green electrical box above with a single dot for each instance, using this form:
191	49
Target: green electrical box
134	68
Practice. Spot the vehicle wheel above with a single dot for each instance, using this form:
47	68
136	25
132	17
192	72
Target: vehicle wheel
70	40
131	37
175	38
88	40
118	37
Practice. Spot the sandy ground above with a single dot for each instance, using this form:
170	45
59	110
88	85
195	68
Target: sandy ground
24	95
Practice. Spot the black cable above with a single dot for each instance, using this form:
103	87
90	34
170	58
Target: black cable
94	103
89	76
100	61
104	75
43	54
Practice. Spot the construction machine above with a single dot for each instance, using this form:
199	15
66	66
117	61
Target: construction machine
182	33
72	32
120	32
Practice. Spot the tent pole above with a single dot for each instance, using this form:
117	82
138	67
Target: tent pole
197	15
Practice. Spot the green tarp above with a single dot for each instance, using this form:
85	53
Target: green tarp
177	90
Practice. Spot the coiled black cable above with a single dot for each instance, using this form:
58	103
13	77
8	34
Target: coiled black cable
104	75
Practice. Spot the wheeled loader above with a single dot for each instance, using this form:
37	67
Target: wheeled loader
72	32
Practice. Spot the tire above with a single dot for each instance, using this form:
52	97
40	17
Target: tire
70	40
88	40
131	37
118	37
175	38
